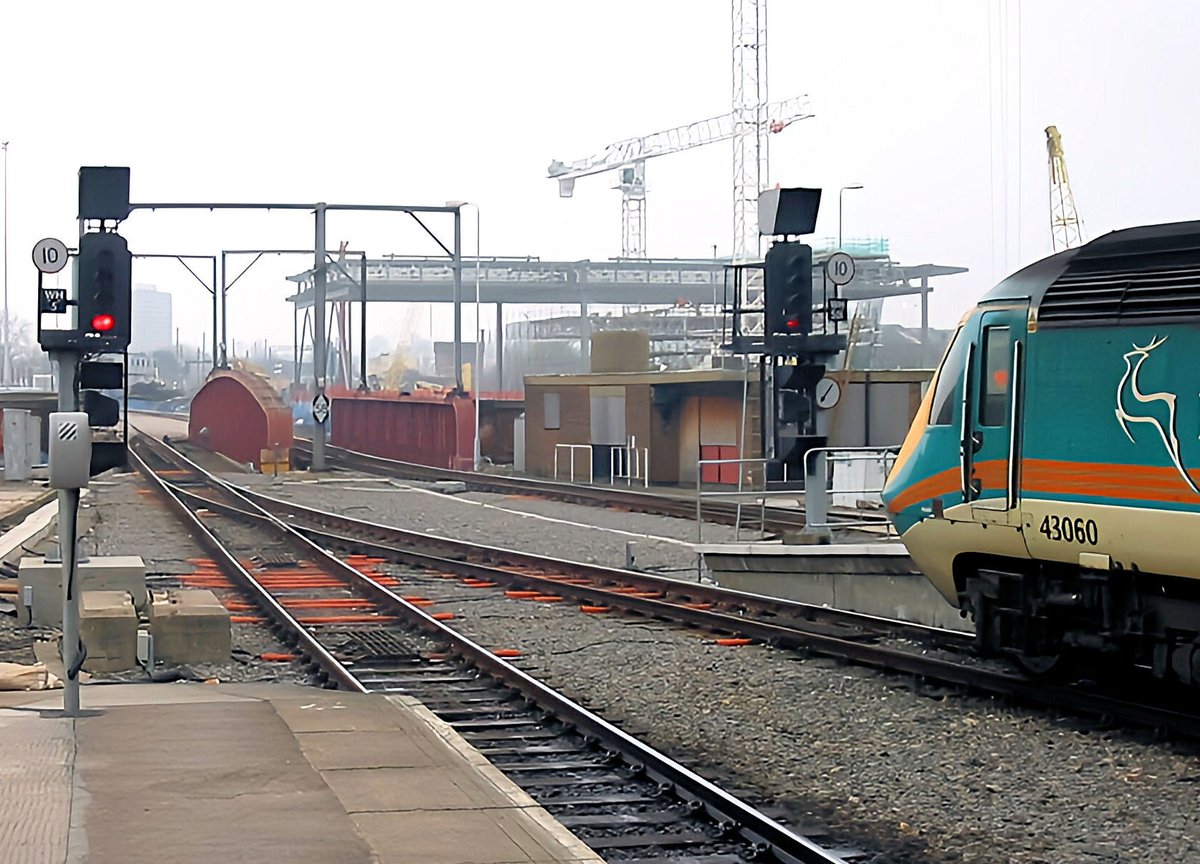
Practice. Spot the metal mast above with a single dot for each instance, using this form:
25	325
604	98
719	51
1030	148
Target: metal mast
1066	230
751	123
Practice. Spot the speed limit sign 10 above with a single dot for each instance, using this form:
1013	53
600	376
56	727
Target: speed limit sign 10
49	255
840	268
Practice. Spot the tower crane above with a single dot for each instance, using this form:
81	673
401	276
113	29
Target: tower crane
1066	229
630	155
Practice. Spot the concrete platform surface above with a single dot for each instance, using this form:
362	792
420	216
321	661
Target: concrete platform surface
871	578
257	772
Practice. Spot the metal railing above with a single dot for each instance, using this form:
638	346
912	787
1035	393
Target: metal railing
740	497
821	465
628	462
571	448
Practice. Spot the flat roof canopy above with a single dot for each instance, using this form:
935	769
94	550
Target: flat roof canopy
623	282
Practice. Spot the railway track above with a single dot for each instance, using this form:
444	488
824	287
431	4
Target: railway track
884	644
776	519
352	628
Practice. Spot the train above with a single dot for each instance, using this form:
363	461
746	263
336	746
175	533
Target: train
1049	485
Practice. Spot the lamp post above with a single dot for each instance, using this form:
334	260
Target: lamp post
840	191
6	371
477	368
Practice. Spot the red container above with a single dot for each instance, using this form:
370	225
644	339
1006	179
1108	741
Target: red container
720	474
239	415
438	431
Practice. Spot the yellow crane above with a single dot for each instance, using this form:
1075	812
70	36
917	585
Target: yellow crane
1066	229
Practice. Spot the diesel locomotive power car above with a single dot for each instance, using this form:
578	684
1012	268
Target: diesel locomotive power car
1050	483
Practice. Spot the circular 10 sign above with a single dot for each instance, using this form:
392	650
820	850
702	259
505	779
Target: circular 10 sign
50	255
840	268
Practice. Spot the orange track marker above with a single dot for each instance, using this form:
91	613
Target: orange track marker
245	619
327	603
506	652
346	619
522	595
594	610
734	643
270	657
700	606
478	584
442	616
548	598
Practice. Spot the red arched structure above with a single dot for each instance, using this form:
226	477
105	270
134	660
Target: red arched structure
239	415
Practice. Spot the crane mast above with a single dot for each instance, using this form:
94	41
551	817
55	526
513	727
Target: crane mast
750	120
1066	229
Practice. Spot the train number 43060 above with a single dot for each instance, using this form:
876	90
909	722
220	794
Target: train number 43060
1068	530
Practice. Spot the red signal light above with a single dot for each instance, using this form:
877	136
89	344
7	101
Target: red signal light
103	323
792	323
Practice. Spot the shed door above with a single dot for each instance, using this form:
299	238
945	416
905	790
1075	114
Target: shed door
608	415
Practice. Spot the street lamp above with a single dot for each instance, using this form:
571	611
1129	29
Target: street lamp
6	372
477	369
840	191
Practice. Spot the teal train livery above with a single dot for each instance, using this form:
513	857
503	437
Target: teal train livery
1050	484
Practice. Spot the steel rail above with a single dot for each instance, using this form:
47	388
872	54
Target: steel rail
308	645
797	634
801	632
778	519
980	680
757	828
460	552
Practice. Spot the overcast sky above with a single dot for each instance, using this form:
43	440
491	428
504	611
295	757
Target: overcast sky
937	108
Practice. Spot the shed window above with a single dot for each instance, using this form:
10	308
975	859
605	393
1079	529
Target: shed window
550	411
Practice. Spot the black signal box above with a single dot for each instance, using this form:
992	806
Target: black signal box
98	375
103	193
105	292
788	292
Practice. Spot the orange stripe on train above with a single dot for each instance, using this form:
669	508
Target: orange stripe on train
1091	479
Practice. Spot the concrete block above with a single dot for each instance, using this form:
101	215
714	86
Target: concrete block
42	583
108	625
189	626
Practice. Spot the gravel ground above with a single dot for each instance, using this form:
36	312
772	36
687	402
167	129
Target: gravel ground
120	517
577	532
924	777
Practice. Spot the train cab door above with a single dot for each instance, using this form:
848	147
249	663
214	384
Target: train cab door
991	420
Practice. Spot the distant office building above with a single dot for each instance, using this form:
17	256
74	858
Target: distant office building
152	325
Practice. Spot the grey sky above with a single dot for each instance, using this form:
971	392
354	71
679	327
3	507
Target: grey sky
427	102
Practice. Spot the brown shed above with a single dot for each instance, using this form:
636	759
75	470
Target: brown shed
669	419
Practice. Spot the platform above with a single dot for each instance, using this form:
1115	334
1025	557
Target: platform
257	772
871	578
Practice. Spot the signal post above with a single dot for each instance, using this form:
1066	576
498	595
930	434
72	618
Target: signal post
795	333
98	323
